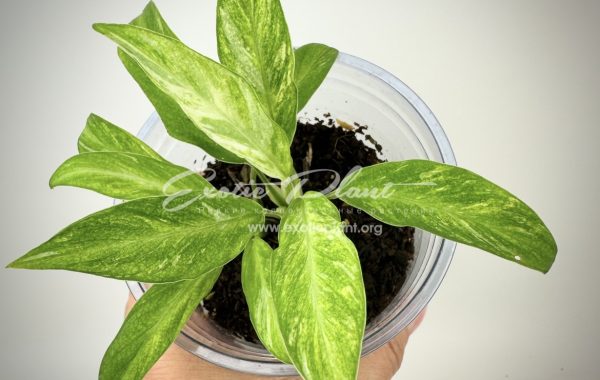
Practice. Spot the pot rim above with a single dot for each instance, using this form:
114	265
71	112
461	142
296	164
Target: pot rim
421	297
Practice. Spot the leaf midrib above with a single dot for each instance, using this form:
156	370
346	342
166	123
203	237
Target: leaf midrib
313	281
264	77
161	235
452	213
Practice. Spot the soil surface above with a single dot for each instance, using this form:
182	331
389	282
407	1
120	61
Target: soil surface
385	251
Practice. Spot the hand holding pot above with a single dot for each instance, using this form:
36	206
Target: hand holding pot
178	364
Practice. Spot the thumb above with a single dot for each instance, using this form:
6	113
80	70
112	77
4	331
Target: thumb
385	362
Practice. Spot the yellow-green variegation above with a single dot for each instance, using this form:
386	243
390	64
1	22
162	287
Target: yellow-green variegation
306	298
454	203
127	176
177	123
152	325
318	290
254	41
151	19
222	104
155	240
256	283
115	163
100	135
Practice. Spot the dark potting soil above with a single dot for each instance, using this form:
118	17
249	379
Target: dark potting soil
385	251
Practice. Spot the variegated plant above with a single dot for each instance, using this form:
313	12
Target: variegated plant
174	230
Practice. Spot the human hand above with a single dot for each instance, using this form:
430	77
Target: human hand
178	364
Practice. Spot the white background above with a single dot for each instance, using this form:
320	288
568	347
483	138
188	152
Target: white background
516	85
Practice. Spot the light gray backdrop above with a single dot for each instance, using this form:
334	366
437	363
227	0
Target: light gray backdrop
515	84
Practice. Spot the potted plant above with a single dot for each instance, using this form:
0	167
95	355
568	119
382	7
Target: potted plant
301	274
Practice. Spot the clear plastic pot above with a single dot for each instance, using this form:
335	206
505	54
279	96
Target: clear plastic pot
354	91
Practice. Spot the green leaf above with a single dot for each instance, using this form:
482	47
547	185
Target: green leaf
254	42
100	135
155	240
453	203
175	120
115	163
152	326
318	290
218	101
151	19
256	282
313	62
127	176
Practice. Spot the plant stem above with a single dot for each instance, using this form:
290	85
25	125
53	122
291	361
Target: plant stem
332	195
253	183
273	191
272	214
292	189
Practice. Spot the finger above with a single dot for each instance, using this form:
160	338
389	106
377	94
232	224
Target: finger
416	322
385	362
130	303
397	346
381	364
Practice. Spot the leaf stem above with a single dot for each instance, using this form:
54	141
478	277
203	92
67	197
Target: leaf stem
272	214
332	195
274	192
253	183
292	188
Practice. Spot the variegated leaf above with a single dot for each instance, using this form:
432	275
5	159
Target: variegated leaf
100	135
151	19
155	240
254	41
256	282
127	176
152	325
218	101
454	203
318	290
175	120
313	63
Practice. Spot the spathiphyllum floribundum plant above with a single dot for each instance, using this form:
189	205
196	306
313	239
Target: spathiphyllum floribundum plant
174	230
